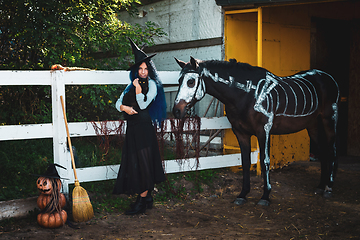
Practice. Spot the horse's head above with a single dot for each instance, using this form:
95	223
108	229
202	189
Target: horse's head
191	87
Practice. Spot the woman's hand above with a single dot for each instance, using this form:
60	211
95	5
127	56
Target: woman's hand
136	82
137	86
128	110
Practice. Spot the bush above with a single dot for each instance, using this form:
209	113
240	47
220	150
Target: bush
19	160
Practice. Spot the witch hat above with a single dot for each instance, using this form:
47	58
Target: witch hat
140	56
51	171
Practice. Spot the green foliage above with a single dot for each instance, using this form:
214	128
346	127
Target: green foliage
93	103
170	190
25	104
89	154
205	176
37	34
24	158
19	160
198	177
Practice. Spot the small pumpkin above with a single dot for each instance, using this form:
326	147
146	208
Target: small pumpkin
45	185
52	220
44	199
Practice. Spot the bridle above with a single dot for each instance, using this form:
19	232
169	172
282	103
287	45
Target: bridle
201	82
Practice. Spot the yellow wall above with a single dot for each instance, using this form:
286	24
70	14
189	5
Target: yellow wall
286	50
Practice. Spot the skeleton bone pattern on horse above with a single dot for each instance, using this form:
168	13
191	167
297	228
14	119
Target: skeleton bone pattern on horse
260	103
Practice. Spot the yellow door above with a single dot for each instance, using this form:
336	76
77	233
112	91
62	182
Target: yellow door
285	51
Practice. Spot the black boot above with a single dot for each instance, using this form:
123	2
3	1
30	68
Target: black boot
139	207
149	201
136	201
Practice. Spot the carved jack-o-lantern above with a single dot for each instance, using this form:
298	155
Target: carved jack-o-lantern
45	186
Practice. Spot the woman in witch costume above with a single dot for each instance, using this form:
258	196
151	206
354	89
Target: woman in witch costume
143	104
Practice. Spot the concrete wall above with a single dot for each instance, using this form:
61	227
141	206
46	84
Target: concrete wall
182	20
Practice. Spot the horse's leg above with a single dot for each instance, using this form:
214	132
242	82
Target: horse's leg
330	160
324	134
264	145
245	146
317	134
263	136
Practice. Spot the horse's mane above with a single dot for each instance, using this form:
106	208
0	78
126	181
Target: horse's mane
228	66
231	67
232	63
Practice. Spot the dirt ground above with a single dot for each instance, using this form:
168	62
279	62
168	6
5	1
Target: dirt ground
296	212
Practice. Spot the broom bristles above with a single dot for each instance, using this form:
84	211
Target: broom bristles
82	208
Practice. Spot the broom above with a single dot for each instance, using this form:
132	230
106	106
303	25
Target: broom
81	208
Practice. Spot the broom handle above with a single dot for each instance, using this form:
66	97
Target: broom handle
68	137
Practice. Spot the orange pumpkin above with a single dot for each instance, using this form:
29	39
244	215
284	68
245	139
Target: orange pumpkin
52	220
45	186
44	199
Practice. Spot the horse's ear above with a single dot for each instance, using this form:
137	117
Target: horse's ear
181	63
194	62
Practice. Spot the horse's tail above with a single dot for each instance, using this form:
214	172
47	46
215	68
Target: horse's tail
335	108
336	85
328	158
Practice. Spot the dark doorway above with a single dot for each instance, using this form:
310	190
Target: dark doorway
330	53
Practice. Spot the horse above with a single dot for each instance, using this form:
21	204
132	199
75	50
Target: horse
257	102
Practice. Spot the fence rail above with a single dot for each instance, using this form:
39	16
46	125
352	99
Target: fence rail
56	130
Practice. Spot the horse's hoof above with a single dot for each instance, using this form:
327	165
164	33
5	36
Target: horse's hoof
327	194
263	202
319	191
240	201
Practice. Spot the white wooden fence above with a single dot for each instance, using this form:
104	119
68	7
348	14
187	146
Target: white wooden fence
56	130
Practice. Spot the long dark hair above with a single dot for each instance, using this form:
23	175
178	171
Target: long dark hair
157	109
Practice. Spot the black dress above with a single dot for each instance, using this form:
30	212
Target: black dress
141	165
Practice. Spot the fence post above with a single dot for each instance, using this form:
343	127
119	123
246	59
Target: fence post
59	132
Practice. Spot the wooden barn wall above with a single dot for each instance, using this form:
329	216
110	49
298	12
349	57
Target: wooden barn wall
354	97
347	12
